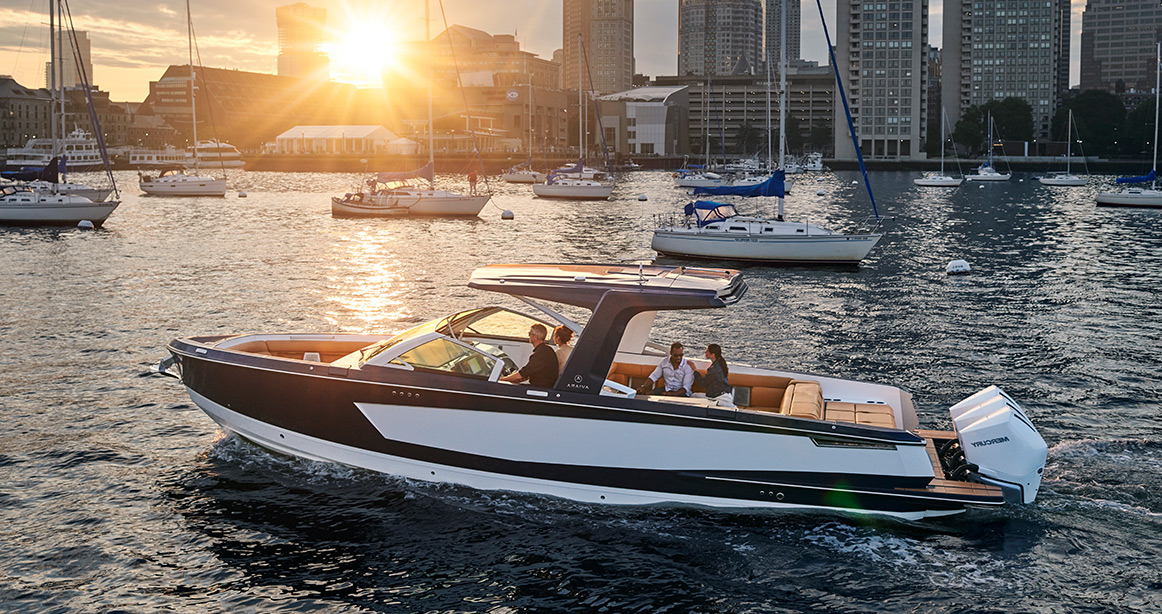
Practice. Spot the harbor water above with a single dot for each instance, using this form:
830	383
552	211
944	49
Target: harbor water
117	494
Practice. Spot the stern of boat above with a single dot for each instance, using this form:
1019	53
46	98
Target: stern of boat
997	444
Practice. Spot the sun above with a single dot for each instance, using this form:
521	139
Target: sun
363	52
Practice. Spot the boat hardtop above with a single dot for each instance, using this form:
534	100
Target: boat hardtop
428	403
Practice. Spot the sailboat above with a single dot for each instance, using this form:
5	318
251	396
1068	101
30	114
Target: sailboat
392	195
173	180
988	171
941	180
714	230
571	182
1067	178
523	172
44	199
1141	197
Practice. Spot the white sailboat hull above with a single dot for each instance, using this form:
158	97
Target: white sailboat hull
420	203
184	185
594	191
803	249
939	182
989	177
524	177
1069	180
56	211
1133	197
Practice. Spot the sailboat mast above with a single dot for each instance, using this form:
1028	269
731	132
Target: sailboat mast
580	113
1068	141
193	83
431	128
943	119
770	148
1157	85
54	63
782	94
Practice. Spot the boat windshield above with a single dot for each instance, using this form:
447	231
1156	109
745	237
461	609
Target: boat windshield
490	322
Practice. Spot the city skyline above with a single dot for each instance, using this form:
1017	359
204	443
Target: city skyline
129	51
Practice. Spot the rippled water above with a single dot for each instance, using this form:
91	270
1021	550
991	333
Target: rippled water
117	494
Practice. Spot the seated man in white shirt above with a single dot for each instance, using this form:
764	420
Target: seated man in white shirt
674	376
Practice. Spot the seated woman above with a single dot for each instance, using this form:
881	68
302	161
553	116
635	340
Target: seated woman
717	374
562	335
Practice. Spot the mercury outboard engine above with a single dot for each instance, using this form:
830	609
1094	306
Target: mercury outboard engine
996	444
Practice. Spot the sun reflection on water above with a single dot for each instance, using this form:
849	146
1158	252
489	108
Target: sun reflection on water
366	284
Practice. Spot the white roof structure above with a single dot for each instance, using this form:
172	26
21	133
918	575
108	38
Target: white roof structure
339	132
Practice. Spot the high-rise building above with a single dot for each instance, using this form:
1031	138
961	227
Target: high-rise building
300	39
606	30
716	37
70	75
1062	29
771	43
1118	45
881	51
1003	49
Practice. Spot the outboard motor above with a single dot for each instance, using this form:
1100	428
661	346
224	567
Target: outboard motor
999	444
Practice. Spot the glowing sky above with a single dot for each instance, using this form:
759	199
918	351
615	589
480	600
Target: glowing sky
133	42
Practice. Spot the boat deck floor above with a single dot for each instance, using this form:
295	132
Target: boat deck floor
941	484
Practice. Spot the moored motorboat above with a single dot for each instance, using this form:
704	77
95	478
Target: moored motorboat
428	404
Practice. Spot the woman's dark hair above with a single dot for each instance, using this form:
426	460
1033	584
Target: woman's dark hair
716	351
562	334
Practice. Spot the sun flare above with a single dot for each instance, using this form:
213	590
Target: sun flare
362	53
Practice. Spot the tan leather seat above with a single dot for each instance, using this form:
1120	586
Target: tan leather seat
803	399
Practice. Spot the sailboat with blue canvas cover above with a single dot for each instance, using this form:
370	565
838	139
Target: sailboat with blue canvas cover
715	231
1137	196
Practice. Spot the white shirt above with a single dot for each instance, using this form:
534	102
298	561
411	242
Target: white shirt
681	377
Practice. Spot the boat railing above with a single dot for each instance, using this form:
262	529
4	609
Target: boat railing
672	220
874	223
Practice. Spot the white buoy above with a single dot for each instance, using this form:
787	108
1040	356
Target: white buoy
819	193
241	194
507	215
854	182
958	267
86	224
981	186
642	197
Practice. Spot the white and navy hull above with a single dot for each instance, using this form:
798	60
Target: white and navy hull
582	447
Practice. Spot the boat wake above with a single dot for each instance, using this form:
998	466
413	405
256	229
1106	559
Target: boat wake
943	561
1115	475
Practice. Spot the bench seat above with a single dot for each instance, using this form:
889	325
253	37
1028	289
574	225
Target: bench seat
783	395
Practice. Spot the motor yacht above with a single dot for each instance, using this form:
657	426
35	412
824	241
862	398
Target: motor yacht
214	154
428	404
